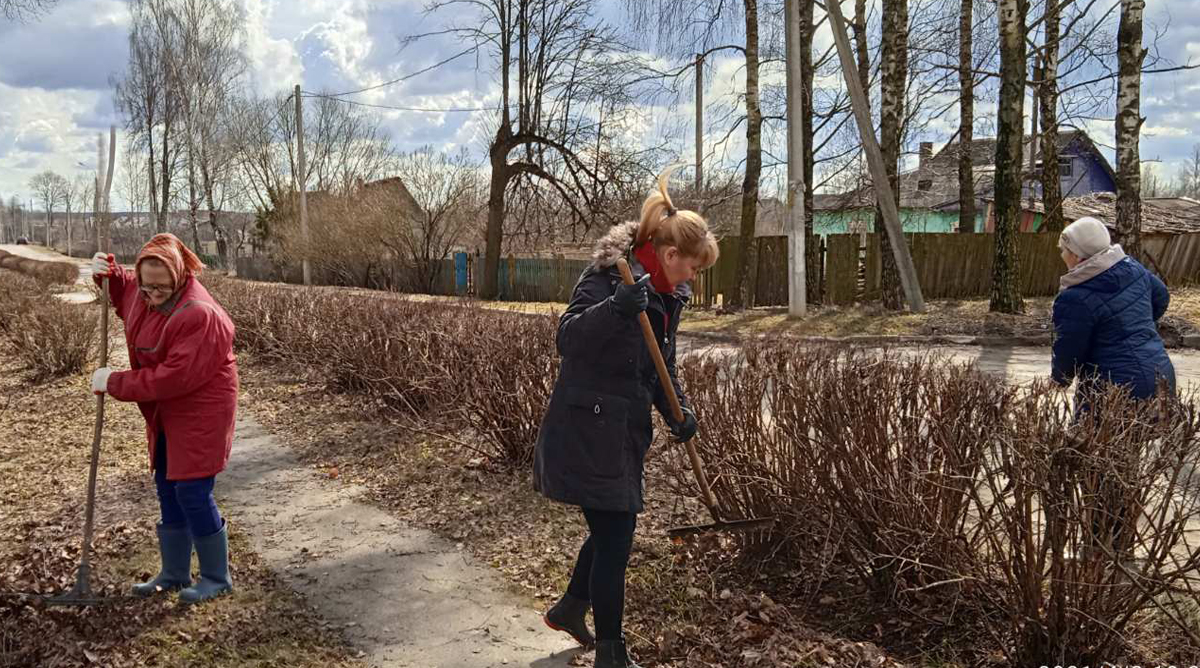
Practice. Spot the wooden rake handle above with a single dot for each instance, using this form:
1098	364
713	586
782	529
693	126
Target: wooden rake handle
664	377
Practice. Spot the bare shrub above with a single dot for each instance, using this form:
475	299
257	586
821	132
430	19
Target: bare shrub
46	273
512	363
52	337
451	366
1055	533
1087	522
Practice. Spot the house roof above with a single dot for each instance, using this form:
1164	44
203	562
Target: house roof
934	184
1160	215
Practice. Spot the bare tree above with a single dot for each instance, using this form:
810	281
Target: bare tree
150	102
1006	275
747	270
445	203
1189	177
25	10
966	117
555	61
50	189
894	64
1130	54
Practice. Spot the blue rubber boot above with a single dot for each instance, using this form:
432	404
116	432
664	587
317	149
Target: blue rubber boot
213	553
175	550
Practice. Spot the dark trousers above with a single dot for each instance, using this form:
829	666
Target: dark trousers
599	574
185	501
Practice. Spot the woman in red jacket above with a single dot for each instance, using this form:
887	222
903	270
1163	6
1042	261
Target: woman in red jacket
183	376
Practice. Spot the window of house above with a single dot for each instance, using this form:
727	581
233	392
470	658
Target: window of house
924	185
1064	167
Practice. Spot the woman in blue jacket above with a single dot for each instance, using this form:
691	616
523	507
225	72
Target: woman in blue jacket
1105	317
1106	326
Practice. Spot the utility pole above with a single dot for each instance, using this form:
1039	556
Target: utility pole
699	124
883	187
797	271
302	181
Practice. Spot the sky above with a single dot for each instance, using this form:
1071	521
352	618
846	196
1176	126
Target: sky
56	73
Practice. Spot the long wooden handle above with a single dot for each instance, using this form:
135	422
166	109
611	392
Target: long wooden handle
664	377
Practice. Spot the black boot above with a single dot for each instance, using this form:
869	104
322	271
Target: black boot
612	654
567	616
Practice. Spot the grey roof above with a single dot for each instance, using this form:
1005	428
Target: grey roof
1160	215
934	184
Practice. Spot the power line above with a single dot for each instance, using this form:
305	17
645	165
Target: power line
405	77
394	108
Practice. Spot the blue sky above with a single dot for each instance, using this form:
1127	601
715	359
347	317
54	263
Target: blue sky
55	92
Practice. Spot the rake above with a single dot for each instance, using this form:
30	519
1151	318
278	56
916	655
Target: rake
706	494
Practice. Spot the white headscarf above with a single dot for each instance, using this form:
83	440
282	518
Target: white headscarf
1085	237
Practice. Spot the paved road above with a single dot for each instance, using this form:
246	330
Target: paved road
1017	365
405	597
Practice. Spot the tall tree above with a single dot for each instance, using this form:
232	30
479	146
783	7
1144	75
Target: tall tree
966	116
813	284
1010	131
894	70
1130	54
1052	194
556	61
149	101
747	270
49	188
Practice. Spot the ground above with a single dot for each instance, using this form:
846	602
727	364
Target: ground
44	453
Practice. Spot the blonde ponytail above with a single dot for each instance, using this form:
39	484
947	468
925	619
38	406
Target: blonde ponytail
665	225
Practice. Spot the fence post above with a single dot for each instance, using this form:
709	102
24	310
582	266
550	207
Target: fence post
460	273
512	277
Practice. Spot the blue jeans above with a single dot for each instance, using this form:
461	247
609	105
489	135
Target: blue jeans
185	501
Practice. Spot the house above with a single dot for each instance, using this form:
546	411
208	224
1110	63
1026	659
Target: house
929	200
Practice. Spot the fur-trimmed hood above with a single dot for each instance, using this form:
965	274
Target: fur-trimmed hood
617	243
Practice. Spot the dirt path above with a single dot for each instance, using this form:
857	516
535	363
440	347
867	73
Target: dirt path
404	596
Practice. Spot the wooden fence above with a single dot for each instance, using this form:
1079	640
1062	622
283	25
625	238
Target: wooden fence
949	266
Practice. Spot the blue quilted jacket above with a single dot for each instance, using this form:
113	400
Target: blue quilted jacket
1106	329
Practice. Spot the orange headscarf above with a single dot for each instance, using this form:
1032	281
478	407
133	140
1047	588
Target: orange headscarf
169	250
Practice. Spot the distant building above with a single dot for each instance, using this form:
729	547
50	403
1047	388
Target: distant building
929	199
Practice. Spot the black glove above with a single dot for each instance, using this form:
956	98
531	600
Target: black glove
630	300
686	430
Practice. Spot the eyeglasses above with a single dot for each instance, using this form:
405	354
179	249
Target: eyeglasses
161	289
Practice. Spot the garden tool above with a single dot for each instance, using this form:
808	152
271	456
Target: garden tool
706	494
81	594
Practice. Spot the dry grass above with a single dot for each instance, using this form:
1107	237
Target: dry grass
942	317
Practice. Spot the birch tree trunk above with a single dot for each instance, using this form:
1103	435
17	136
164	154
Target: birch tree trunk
1052	195
894	76
1130	54
748	258
1010	126
966	113
812	251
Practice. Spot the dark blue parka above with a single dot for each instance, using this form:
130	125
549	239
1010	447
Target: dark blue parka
1106	330
596	432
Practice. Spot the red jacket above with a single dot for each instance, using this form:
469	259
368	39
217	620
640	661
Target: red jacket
183	374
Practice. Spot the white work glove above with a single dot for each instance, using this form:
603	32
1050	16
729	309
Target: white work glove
100	265
100	380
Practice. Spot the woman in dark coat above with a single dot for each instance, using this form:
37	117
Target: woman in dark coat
597	429
1105	317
